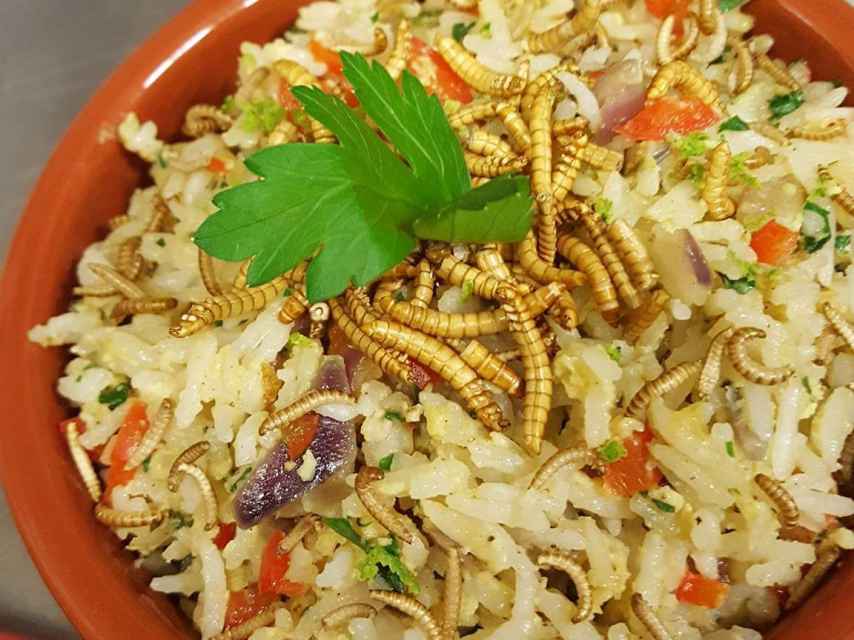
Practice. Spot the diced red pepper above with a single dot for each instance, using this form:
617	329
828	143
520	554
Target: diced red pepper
226	533
422	376
664	8
131	432
669	115
217	166
300	434
286	98
327	56
635	471
78	422
448	85
773	243
245	604
274	566
701	591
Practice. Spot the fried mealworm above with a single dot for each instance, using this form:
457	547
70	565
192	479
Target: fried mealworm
208	276
117	281
568	165
597	230
129	262
536	364
536	85
239	281
152	437
787	509
760	157
307	403
839	324
283	133
540	270
556	38
270	385
397	524
601	158
717	173
487	365
386	360
541	170
82	462
569	126
840	194
319	316
135	306
640	319
380	43
711	373
489	260
202	119
494	166
708	16
306	525
681	75
736	351
828	554
564	311
586	260
127	519
297	75
439	357
228	305
400	53
187	456
487	144
778	73
245	629
474	73
664	383
520	136
294	306
161	219
359	305
744	68
771	132
690	38
846	458
411	607
648	619
829	130
472	114
563	561
347	612
456	272
562	458
633	254
452	594
206	489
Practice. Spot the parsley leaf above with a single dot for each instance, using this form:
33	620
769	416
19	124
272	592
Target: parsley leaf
386	462
467	290
385	562
740	285
663	506
841	243
614	352
734	124
460	30
343	528
738	170
237	481
729	5
785	104
696	174
692	145
393	415
603	207
815	230
114	396
612	451
261	116
730	448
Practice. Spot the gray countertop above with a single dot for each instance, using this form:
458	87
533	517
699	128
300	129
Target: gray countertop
53	55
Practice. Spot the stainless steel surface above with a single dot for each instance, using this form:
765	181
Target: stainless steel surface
53	55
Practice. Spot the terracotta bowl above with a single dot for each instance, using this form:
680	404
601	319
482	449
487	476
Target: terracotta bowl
89	179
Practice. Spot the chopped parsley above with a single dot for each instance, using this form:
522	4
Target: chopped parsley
815	231
385	463
235	483
734	124
603	207
785	104
217	323
468	290
692	145
461	29
296	339
841	243
375	18
393	415
261	116
114	396
730	448
160	242
161	161
399	295
663	506
426	17
805	381
486	30
229	104
696	173
612	451
614	352
146	464
288	292
180	519
738	170
729	5
740	285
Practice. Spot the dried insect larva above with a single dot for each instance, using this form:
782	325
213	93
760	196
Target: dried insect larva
296	75
828	554
380	43
319	315
563	561
136	306
771	132
347	612
541	271
284	132
205	487
206	271
583	257
839	324
95	292
187	456
558	37
690	37
202	119
162	218
779	73
827	131
386	360
846	458
130	262
648	619
598	232
400	53
744	68
397	524
587	16
760	157
576	457
414	609
152	437
681	75
118	221
474	73
736	351
439	357
127	519
720	206
569	127
641	319
601	157
564	311
664	383
308	402
568	166
486	144
541	169
306	525
117	281
452	594
633	254
520	136
708	17
491	261
487	365
536	365
460	274
245	629
359	305
239	281
228	305
509	355
787	509
494	166
270	385
533	88
711	373
472	114
839	193
82	462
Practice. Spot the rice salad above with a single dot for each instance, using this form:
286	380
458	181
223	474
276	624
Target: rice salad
634	422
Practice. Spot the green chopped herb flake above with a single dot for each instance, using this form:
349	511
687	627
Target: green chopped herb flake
785	104
114	396
738	170
603	207
692	145
815	230
179	519
486	30
236	483
393	415
399	295
146	464
805	381
229	104
663	506
468	290
734	124
288	292
386	562
427	16
375	18
614	352
161	161
741	285
696	174
262	116
842	242
386	462
612	451
730	448
160	242
217	323
729	5
461	29
296	339
343	528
